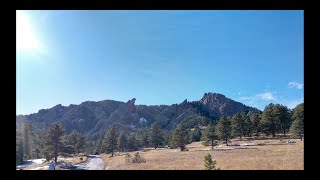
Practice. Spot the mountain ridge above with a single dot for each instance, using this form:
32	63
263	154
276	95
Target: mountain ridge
92	117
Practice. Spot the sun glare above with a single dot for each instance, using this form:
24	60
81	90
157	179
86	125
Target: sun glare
25	36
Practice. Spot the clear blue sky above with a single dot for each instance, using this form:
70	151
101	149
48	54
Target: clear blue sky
158	57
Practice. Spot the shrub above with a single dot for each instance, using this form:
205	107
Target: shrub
205	143
138	159
128	158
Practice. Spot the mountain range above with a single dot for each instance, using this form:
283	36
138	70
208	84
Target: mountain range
92	117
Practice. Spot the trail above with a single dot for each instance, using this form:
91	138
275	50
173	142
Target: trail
94	163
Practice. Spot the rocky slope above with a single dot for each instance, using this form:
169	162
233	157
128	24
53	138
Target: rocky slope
94	117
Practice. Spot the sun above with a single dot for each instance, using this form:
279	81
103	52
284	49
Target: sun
26	39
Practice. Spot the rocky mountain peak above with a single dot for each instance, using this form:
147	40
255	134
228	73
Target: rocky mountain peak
218	104
212	98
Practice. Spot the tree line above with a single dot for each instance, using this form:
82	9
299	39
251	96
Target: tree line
50	144
55	141
274	119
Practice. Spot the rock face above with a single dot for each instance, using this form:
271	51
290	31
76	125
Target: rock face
94	117
218	105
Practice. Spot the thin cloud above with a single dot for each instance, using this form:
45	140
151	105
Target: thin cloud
266	96
295	85
258	99
262	99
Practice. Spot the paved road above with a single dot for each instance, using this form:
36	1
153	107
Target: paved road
94	163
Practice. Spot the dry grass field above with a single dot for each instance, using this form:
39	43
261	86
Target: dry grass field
262	155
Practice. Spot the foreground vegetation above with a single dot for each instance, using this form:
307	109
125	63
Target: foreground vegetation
273	120
268	155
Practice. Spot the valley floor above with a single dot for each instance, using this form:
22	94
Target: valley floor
254	155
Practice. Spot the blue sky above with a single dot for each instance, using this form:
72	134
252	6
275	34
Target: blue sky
158	57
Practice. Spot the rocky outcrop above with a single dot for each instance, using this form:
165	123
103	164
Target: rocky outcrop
217	105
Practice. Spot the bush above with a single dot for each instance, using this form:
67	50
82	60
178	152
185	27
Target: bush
205	143
138	159
128	158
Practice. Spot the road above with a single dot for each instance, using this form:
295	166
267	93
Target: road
94	163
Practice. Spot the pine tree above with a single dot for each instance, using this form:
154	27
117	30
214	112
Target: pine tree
111	139
122	141
53	141
180	137
28	141
81	146
76	140
268	121
210	134
142	137
223	129
156	135
101	146
37	145
297	127
282	117
133	143
237	125
19	147
247	124
255	121
196	134
209	164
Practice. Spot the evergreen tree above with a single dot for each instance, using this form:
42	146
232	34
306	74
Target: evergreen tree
209	164
247	125
223	129
19	147
77	141
101	146
142	137
180	137
156	135
81	146
122	141
28	141
196	134
210	134
268	121
237	125
111	139
133	143
53	141
297	127
37	145
189	136
255	121
282	117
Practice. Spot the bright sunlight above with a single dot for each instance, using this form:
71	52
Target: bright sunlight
25	36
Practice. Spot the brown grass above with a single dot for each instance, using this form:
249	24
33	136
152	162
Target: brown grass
272	155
